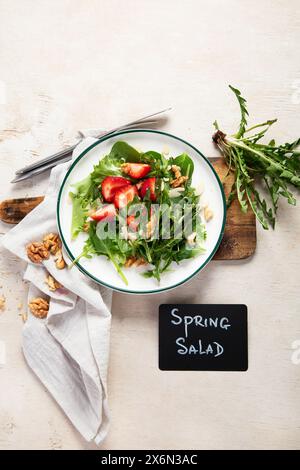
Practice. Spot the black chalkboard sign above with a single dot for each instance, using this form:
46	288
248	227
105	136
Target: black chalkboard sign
203	337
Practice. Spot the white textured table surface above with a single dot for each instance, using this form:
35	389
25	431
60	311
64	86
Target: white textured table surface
67	65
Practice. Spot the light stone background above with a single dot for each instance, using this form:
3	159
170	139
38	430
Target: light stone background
73	64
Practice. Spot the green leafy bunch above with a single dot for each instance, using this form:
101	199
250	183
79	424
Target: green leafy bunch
263	171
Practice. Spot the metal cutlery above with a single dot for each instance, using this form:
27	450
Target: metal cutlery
65	155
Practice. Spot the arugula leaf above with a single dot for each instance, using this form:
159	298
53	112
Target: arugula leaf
107	247
187	253
87	252
158	163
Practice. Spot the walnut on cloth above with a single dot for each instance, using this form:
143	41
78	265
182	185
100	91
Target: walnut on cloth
39	307
52	283
2	302
179	179
37	252
24	317
52	242
59	261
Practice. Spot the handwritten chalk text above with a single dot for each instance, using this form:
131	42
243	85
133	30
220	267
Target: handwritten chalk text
199	321
215	349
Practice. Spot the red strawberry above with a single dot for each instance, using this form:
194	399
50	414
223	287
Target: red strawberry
125	195
148	184
111	184
132	223
105	212
136	170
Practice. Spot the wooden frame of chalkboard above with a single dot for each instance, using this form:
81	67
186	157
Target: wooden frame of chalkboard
203	337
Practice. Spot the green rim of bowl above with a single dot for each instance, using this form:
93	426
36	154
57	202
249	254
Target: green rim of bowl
127	291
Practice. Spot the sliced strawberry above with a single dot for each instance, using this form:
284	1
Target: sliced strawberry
111	184
148	184
105	212
136	170
125	195
132	223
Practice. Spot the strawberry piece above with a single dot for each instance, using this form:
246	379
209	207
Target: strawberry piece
132	223
136	170
125	195
111	184
105	212
148	184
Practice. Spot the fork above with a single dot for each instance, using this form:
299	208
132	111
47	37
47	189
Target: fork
65	155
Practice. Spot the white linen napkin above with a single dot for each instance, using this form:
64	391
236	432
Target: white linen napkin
69	349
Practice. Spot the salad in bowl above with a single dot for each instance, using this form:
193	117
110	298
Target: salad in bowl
140	209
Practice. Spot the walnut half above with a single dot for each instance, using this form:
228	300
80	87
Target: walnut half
179	179
2	302
37	252
133	262
59	261
53	284
52	242
86	227
39	307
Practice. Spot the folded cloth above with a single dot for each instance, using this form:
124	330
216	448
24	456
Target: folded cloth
69	349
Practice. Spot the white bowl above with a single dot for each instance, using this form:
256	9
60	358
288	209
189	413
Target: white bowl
101	269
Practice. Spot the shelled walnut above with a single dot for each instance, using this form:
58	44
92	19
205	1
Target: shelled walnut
59	261
39	307
37	252
135	262
24	317
179	179
86	226
52	242
53	284
2	302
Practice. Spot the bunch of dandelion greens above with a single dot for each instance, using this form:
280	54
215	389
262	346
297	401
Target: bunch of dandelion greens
274	168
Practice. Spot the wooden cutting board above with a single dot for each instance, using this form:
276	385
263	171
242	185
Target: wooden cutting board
239	240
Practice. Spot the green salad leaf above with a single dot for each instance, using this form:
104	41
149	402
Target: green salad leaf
121	151
107	166
110	165
79	215
186	164
82	189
